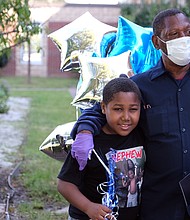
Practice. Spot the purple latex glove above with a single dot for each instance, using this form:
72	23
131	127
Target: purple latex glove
82	148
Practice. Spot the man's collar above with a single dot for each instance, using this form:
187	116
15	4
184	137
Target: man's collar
158	70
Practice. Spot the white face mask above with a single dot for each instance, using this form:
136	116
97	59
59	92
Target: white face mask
178	50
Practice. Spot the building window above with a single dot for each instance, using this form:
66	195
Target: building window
36	52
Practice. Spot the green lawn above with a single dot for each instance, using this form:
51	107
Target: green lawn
48	109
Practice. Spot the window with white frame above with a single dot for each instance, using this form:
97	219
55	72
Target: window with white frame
33	51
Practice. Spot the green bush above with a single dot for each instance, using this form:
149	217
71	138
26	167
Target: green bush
143	15
147	13
4	95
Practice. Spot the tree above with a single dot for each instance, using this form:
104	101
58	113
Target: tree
144	14
16	25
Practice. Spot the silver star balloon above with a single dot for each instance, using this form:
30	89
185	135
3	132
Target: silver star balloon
82	35
96	72
58	142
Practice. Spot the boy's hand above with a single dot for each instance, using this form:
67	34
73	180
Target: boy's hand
82	148
97	211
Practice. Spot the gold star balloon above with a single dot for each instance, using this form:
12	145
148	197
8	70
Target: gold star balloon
81	36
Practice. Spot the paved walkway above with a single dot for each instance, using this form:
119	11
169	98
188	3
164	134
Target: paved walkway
12	129
12	135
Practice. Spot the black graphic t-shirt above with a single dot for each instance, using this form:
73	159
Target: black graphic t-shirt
128	170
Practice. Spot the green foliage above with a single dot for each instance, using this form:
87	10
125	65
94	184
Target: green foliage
186	9
143	15
147	13
15	24
129	11
4	95
4	57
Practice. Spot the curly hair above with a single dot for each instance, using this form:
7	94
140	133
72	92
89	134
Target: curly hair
121	84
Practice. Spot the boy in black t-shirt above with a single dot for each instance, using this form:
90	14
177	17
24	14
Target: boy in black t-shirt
90	191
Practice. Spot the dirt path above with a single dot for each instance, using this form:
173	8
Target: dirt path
12	129
13	126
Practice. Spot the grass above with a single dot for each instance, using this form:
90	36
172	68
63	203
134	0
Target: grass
36	82
48	108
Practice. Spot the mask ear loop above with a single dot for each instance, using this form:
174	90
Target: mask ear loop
107	198
165	44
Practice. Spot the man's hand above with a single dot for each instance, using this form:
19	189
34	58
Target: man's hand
82	148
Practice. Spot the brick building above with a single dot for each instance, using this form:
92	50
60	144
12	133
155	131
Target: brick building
46	63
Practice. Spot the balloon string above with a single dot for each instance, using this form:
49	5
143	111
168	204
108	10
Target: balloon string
109	199
101	186
101	161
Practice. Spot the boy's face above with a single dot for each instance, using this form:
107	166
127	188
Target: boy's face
122	113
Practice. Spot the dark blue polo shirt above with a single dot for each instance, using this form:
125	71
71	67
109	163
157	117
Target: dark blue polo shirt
165	120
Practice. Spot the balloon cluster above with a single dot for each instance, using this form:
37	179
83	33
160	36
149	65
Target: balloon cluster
99	53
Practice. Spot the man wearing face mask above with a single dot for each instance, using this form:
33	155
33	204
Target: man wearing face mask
165	121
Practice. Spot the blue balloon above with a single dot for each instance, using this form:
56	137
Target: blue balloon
152	56
138	40
130	36
107	43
